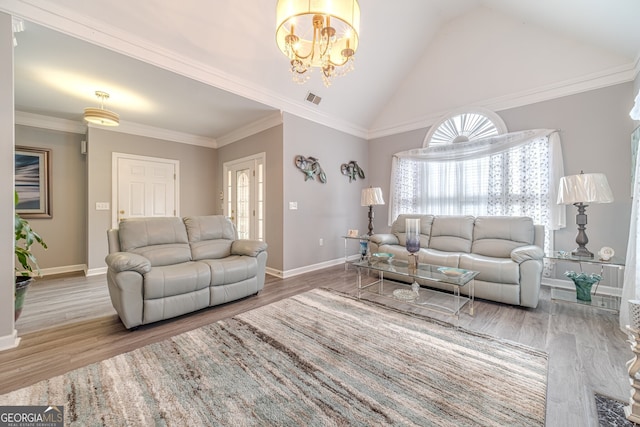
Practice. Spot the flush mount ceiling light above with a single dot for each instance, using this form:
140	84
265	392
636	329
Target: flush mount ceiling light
100	116
318	33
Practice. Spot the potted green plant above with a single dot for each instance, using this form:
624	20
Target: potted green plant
25	238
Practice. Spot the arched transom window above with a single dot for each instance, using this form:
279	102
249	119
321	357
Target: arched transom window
465	126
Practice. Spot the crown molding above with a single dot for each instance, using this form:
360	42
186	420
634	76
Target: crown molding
48	14
610	77
47	122
158	133
72	126
265	123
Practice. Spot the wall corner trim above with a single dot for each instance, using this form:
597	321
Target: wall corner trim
9	341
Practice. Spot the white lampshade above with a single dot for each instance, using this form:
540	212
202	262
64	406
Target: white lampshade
584	188
371	196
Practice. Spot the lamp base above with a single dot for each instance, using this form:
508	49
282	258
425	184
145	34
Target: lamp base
581	238
581	251
370	221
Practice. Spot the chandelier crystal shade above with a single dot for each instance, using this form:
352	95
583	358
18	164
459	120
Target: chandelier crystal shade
318	33
101	116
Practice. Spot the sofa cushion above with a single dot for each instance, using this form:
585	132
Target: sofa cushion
399	228
497	236
441	258
163	241
495	270
210	236
452	233
170	280
232	269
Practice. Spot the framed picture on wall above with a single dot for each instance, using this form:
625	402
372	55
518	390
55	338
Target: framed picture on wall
33	182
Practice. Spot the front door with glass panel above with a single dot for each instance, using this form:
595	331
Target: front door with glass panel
244	196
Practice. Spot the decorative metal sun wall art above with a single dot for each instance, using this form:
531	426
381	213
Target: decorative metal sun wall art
352	170
310	167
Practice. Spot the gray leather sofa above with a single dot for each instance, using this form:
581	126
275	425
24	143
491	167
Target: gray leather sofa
159	268
507	251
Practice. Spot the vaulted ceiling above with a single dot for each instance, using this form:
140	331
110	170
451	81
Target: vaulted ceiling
207	68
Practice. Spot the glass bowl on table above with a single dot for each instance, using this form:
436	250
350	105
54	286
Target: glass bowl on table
381	257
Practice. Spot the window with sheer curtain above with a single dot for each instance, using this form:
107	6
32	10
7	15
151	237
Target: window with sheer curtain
514	174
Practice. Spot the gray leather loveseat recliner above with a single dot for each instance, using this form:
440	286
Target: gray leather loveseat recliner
159	268
507	251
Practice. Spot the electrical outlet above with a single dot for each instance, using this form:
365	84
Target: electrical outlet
321	241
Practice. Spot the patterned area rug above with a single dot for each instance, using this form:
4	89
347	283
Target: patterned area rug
316	359
611	412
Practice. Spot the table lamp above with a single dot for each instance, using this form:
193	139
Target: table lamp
578	190
371	196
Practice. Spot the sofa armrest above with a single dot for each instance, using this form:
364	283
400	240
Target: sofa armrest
384	239
247	247
525	253
127	261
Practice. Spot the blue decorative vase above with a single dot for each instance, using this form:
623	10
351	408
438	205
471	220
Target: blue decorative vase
412	227
364	248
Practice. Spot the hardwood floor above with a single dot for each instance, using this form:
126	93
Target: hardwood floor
68	322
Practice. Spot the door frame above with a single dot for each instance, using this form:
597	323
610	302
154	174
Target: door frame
115	158
256	158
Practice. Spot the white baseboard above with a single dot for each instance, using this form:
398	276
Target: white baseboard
96	271
273	272
9	341
64	269
305	269
73	268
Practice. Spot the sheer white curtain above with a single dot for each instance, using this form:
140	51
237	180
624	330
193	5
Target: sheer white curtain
631	284
511	174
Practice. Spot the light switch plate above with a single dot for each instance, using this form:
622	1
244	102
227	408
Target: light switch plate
102	206
293	205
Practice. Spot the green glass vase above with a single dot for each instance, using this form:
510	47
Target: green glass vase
583	288
583	284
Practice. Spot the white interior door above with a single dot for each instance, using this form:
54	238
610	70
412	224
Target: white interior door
244	196
146	187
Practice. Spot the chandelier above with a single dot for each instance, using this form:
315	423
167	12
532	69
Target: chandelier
101	116
318	33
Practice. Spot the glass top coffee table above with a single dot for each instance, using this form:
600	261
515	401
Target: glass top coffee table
448	303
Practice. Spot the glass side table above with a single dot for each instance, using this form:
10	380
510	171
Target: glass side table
363	250
615	261
607	302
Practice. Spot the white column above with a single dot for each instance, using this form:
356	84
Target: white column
8	334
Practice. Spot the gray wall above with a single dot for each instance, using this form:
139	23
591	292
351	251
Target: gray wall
324	211
596	133
270	143
595	129
381	150
65	233
197	180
